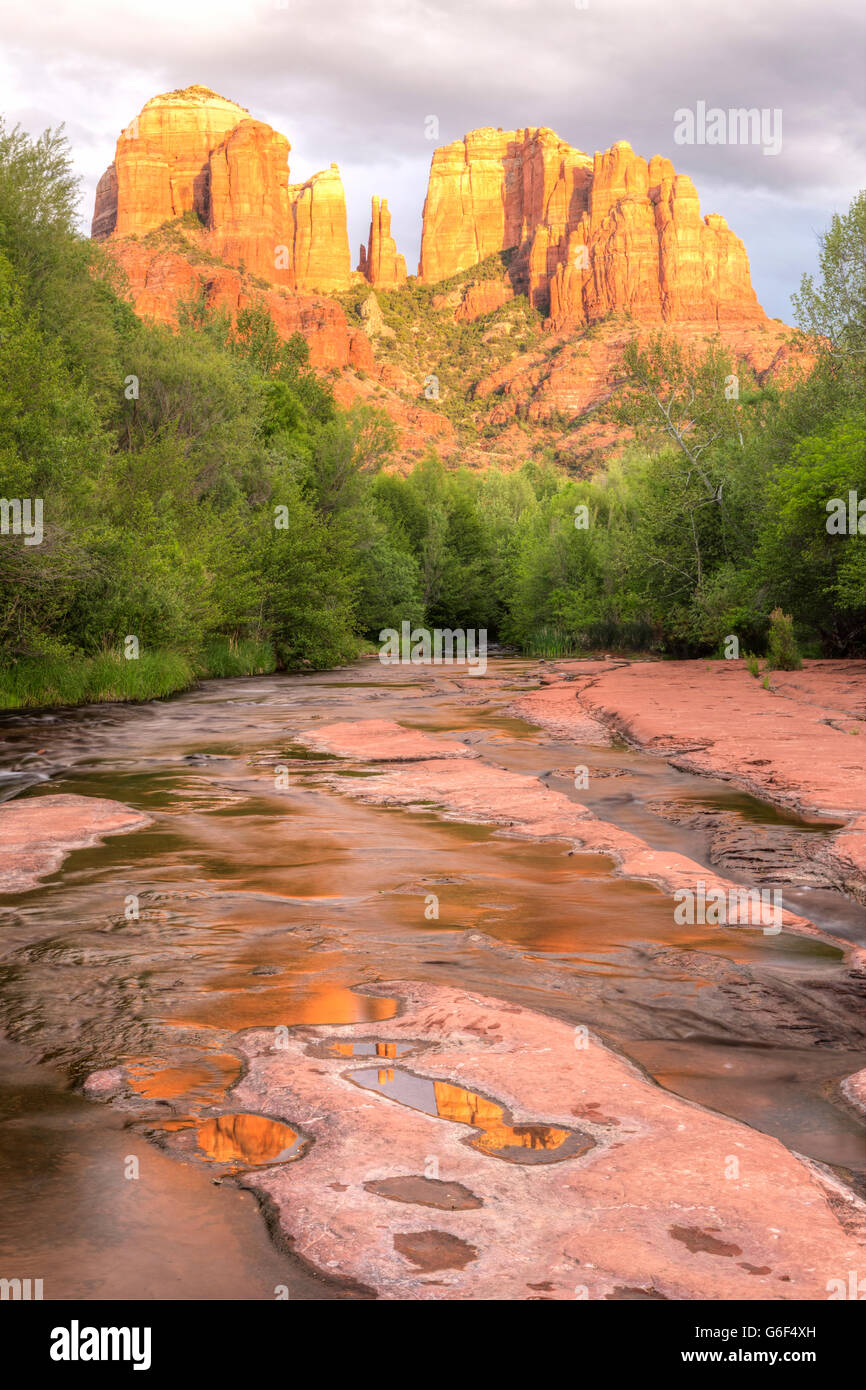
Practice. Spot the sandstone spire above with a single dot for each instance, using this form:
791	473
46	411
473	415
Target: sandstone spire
380	261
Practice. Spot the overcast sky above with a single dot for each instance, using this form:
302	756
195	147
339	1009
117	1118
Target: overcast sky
356	81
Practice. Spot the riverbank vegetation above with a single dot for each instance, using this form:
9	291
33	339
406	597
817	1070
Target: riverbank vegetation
207	509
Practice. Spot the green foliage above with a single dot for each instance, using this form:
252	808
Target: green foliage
89	680
782	653
160	459
835	309
203	492
228	656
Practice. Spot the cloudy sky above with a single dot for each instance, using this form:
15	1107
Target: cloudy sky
355	81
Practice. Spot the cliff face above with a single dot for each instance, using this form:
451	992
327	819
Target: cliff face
193	151
589	236
380	261
491	190
161	279
592	239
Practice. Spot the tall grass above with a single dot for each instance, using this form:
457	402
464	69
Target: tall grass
78	680
546	640
82	680
229	656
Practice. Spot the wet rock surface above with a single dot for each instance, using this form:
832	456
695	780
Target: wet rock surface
278	900
670	1201
37	834
798	744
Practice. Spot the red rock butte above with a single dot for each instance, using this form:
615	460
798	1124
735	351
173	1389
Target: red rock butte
380	261
193	151
590	235
198	203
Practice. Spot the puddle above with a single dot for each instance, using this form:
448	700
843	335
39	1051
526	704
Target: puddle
499	1136
202	1081
369	1049
253	1140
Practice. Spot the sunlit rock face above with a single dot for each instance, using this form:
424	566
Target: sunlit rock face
193	151
589	235
380	262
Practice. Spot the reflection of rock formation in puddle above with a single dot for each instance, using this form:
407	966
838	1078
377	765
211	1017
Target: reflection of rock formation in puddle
291	1000
248	1139
368	1049
499	1137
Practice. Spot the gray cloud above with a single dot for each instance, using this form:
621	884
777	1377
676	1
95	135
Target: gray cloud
354	83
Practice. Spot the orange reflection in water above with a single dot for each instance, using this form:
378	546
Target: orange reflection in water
350	1049
495	1132
467	1108
205	1081
286	1003
245	1138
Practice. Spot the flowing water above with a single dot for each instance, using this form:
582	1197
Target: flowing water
245	904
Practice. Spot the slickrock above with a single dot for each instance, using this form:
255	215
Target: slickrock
651	1192
194	152
590	236
37	834
714	718
381	740
380	261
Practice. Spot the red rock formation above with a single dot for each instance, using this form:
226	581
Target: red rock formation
161	279
482	298
194	152
590	237
249	210
380	261
321	240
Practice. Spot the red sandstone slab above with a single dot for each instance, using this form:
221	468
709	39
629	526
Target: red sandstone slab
37	834
670	1199
381	740
801	744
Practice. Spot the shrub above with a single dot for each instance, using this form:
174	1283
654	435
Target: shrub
782	652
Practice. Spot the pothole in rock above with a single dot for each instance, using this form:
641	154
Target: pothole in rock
425	1192
499	1136
236	1141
